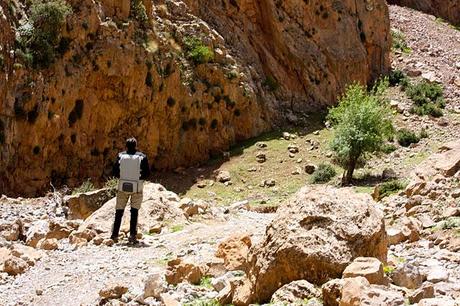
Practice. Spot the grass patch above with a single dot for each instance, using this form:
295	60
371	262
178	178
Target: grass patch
203	302
323	174
111	183
450	223
176	228
198	52
391	187
388	270
206	282
87	186
399	42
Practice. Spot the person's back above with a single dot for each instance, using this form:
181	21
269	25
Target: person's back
131	167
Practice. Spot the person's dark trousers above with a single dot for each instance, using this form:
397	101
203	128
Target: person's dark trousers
133	224
117	223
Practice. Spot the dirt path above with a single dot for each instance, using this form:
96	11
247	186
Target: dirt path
74	277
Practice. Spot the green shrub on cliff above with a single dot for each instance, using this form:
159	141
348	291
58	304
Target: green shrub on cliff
40	38
196	51
362	124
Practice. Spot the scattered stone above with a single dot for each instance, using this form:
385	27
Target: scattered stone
15	265
367	267
189	207
261	145
261	157
286	136
293	148
310	168
297	171
295	291
223	176
13	231
113	291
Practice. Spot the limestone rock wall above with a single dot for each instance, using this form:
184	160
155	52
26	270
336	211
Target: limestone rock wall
117	79
446	9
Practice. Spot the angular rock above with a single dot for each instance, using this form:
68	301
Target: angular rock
407	275
180	270
357	291
13	231
234	250
316	234
332	292
158	206
154	286
48	244
36	232
310	168
367	267
439	301
223	176
113	291
82	205
189	207
426	291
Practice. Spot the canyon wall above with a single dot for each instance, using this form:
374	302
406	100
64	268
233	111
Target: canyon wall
118	76
446	9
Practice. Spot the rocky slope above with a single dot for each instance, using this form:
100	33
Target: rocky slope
118	75
449	10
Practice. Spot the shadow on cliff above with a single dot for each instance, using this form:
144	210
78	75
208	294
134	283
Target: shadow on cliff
181	180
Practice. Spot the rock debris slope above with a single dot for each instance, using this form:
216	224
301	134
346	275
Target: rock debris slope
119	73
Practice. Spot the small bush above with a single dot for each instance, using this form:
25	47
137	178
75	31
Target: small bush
271	83
87	186
203	302
397	77
406	137
2	61
399	41
390	187
197	51
427	97
323	174
206	282
452	222
139	12
388	148
423	133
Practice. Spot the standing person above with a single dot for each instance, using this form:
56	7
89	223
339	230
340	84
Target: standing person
132	168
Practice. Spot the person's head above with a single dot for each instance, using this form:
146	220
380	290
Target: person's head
131	144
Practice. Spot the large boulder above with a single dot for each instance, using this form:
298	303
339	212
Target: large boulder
367	267
159	205
234	251
82	205
317	233
294	292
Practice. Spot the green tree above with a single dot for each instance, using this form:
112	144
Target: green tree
362	123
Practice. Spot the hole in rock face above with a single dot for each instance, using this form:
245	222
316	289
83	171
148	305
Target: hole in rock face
36	150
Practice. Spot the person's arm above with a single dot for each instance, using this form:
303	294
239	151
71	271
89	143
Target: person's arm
116	167
145	169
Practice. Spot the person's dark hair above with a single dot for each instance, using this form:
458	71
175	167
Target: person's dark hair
131	144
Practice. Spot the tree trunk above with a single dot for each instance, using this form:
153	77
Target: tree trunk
348	174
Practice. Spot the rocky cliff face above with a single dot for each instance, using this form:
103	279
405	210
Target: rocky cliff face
449	10
119	75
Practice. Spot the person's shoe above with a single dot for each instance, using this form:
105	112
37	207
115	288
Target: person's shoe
133	240
114	239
